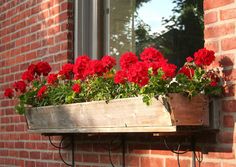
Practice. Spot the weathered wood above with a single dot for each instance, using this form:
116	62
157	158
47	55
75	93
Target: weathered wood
120	115
185	111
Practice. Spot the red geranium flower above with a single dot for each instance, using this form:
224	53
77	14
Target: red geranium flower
76	88
138	73
80	67
204	57
127	59
32	69
67	70
95	67
20	85
108	62
41	91
120	77
189	59
151	55
187	71
9	93
28	76
169	70
43	68
52	78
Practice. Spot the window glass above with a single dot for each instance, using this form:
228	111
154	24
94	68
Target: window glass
175	27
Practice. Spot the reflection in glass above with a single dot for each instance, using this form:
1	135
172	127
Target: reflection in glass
175	27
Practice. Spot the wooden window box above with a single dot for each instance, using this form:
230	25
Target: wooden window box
121	116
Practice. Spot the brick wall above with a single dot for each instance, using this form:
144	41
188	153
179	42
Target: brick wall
30	31
33	30
220	35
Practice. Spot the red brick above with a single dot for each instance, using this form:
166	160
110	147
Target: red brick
55	164
35	28
209	4
220	154
228	43
229	105
10	128
45	5
92	158
132	161
174	163
32	20
30	56
35	10
54	49
225	164
19	145
220	30
35	137
63	16
34	155
212	45
54	11
43	15
25	31
226	137
30	163
62	56
20	41
106	160
210	164
41	164
47	155
150	162
24	154
35	45
210	17
30	145
228	14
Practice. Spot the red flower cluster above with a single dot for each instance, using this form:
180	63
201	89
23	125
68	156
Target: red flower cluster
187	71
32	69
20	86
138	73
43	68
151	55
41	92
189	59
38	69
95	67
169	70
80	67
120	77
108	62
76	88
85	67
9	93
52	78
27	76
67	70
127	59
204	57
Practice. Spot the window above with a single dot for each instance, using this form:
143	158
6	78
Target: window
116	26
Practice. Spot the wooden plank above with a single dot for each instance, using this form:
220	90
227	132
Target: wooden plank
120	115
139	129
185	111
